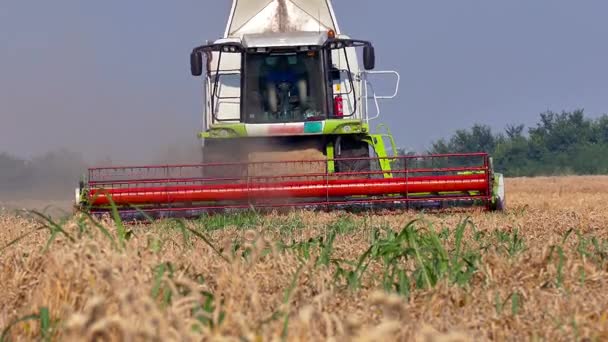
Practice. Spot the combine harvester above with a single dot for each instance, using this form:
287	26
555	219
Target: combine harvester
287	124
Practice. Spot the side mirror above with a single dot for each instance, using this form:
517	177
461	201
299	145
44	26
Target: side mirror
196	63
369	57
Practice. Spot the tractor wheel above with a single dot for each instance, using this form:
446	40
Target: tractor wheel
351	148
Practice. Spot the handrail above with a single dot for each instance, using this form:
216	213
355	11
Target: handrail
368	85
388	72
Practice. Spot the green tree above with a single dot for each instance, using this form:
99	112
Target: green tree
601	129
477	139
560	143
559	132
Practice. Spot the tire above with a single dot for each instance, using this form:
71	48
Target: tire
352	148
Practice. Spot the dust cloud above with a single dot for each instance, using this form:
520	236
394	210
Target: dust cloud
49	179
45	180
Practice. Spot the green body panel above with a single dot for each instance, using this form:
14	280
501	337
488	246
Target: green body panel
377	142
225	131
325	127
331	164
345	126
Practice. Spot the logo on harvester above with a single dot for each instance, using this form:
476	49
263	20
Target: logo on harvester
313	127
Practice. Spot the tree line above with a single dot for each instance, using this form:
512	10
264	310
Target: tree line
559	144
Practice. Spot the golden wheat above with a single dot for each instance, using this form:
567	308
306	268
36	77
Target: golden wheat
94	289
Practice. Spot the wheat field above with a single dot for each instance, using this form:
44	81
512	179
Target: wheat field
535	272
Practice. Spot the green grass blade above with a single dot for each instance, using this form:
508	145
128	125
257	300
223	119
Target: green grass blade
159	271
21	237
560	266
45	324
411	236
498	303
102	229
515	303
120	227
52	225
183	229
567	235
5	331
288	292
458	236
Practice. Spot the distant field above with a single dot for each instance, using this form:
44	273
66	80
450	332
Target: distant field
536	272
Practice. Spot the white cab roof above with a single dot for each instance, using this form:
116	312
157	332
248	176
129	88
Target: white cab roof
264	16
284	39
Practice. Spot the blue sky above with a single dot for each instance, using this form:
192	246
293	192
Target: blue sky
111	78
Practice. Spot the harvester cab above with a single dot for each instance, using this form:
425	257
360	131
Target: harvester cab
287	124
284	83
292	91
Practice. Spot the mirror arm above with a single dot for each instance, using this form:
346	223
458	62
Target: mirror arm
219	47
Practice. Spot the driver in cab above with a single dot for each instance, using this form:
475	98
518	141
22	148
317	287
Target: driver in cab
283	74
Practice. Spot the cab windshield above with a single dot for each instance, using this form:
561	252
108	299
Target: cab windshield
284	87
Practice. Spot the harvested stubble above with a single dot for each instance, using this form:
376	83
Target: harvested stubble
541	273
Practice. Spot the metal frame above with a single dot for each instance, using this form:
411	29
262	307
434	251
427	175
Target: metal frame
366	90
427	181
352	87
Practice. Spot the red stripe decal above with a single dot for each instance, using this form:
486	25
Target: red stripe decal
286	129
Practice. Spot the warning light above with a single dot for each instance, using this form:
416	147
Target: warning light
331	34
